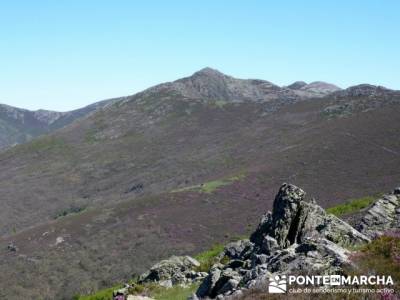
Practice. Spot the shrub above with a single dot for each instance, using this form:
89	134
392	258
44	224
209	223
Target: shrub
208	258
380	257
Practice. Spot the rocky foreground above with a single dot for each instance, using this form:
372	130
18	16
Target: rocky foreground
298	237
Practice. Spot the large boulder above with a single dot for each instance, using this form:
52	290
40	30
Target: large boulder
383	215
294	219
315	256
175	270
219	281
241	249
288	215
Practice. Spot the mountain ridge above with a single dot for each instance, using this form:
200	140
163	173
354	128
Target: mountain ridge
19	125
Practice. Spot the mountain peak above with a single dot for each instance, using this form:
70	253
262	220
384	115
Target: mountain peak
207	71
315	89
297	85
322	87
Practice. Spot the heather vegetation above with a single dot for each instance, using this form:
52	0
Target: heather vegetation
381	257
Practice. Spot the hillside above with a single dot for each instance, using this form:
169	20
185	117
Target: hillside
21	125
85	203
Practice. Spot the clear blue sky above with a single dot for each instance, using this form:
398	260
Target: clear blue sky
64	54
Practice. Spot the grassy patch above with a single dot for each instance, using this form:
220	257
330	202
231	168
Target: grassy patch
105	294
174	293
151	290
220	103
210	186
207	258
351	206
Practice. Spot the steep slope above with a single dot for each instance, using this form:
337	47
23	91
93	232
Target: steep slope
20	125
149	170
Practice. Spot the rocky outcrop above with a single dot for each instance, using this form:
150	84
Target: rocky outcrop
314	89
297	237
383	215
177	270
360	98
294	219
365	90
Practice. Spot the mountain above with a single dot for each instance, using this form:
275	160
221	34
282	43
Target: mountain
313	89
21	125
85	203
211	84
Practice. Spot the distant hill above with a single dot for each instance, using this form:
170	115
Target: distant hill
19	125
122	187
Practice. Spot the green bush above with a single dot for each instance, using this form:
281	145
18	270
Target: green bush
175	293
211	186
70	210
208	258
105	294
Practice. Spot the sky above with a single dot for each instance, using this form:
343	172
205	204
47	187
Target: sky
62	55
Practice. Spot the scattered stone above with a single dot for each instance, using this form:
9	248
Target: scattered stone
239	249
121	292
12	247
59	240
137	188
397	191
173	271
207	287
